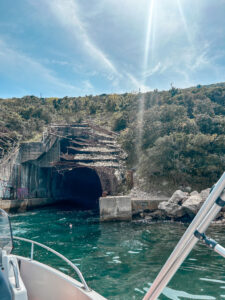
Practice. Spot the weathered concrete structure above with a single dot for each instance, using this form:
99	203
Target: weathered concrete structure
122	208
115	208
77	163
141	205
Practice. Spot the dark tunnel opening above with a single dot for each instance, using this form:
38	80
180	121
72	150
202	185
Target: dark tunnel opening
80	187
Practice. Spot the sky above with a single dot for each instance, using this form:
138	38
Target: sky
56	48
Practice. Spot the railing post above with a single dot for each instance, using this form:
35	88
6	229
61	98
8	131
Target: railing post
16	274
202	220
32	251
73	266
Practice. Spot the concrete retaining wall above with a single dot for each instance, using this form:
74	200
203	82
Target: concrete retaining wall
26	204
140	205
112	208
8	168
120	208
115	208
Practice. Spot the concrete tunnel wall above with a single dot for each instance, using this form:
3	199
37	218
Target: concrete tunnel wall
80	187
31	173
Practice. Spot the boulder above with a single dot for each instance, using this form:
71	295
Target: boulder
204	194
192	204
178	197
158	215
194	193
171	209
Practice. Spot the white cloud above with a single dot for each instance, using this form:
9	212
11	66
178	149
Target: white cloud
18	65
105	42
138	84
59	62
88	87
69	16
157	68
67	13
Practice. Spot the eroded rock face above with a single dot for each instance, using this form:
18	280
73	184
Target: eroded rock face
171	209
193	204
194	193
178	197
183	204
205	193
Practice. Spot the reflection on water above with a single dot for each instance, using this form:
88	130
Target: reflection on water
120	260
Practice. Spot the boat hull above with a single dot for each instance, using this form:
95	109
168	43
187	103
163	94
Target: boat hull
45	283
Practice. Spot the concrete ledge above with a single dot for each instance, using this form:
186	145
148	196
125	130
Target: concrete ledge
140	205
25	204
115	208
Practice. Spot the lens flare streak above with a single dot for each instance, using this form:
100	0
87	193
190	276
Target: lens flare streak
148	49
149	34
184	23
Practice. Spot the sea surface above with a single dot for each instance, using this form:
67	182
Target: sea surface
120	260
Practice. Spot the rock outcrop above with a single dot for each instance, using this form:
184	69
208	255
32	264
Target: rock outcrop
171	209
178	197
183	205
192	204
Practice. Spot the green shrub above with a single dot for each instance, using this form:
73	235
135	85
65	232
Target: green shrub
181	137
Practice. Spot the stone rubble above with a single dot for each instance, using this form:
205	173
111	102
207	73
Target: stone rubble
182	206
192	204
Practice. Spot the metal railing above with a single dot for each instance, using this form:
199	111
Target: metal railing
199	225
74	267
16	274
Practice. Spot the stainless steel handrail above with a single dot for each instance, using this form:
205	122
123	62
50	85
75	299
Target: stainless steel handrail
201	222
75	268
16	274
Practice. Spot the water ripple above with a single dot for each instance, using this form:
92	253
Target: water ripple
118	259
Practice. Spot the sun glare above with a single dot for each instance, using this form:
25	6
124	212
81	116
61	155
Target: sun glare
149	37
146	61
184	22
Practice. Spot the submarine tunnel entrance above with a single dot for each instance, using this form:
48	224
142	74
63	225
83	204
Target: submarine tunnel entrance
80	187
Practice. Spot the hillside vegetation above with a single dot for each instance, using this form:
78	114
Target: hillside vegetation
180	140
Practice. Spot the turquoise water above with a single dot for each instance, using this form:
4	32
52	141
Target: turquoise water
120	260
